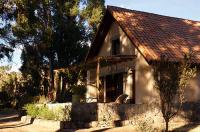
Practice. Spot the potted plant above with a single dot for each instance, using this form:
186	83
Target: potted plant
78	91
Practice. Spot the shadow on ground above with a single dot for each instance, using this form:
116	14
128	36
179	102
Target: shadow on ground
74	130
8	118
100	130
11	121
13	126
186	128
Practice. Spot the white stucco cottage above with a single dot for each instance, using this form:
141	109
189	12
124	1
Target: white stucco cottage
126	44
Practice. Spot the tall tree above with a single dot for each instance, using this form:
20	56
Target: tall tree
93	13
6	19
57	30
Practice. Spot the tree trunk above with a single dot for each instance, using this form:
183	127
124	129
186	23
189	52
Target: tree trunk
51	74
166	125
51	88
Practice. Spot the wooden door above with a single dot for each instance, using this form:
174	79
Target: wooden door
114	86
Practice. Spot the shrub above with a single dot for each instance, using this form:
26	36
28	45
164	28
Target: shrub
43	112
32	110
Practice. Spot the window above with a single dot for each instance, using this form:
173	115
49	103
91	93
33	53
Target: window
116	47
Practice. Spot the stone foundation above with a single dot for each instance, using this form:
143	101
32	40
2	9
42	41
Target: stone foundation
111	114
87	112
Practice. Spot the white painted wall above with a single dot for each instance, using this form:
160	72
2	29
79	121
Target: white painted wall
144	79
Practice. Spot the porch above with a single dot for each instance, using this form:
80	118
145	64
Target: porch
108	77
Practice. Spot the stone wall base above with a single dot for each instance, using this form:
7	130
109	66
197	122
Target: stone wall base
87	115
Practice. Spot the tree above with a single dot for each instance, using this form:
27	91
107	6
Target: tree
3	73
58	31
171	79
93	13
34	67
6	19
8	85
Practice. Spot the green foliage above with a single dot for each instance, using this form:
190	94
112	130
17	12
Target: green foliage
43	112
4	75
52	33
5	51
34	69
32	110
93	12
15	90
8	86
70	78
6	19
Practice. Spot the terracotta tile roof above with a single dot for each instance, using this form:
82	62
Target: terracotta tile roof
155	35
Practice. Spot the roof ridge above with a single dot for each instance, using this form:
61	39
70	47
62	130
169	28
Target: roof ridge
110	8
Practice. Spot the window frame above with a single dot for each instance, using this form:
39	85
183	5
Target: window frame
115	46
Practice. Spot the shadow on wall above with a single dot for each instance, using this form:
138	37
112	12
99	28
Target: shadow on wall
106	114
84	113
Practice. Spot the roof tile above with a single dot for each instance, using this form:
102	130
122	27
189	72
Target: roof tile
155	35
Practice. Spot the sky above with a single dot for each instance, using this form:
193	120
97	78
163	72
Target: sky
188	9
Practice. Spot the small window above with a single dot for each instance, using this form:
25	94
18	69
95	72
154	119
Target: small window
116	47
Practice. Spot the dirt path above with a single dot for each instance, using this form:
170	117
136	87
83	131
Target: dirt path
10	122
